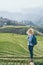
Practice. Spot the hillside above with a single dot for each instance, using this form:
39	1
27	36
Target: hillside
20	29
16	45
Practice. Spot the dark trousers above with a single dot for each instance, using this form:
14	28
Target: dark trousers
31	51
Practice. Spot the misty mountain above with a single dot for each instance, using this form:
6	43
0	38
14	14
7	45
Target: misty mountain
32	14
6	21
26	22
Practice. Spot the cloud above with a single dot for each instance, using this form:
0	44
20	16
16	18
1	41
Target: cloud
18	5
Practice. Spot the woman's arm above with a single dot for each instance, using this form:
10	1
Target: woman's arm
27	32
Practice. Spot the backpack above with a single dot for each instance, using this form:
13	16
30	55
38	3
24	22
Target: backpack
34	40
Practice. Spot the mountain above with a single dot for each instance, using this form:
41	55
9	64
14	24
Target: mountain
26	22
33	14
6	21
39	22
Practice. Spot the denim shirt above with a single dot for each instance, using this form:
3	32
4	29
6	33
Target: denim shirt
30	40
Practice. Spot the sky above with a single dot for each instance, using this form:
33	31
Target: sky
19	5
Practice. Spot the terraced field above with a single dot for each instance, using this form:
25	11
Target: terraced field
15	45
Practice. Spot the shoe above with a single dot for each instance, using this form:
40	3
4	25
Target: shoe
31	63
31	60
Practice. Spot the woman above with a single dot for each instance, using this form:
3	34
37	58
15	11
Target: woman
31	39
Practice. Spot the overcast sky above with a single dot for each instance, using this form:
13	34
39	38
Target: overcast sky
18	5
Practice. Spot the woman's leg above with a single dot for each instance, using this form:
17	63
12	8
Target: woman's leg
31	51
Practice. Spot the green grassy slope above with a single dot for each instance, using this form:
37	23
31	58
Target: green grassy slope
16	45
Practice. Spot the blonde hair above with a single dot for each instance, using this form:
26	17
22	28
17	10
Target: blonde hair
30	31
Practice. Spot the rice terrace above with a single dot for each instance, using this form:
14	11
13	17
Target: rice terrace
14	51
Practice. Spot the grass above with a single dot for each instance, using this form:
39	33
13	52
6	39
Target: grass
12	43
16	45
11	26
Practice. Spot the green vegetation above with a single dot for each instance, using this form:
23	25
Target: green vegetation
19	29
15	44
11	26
